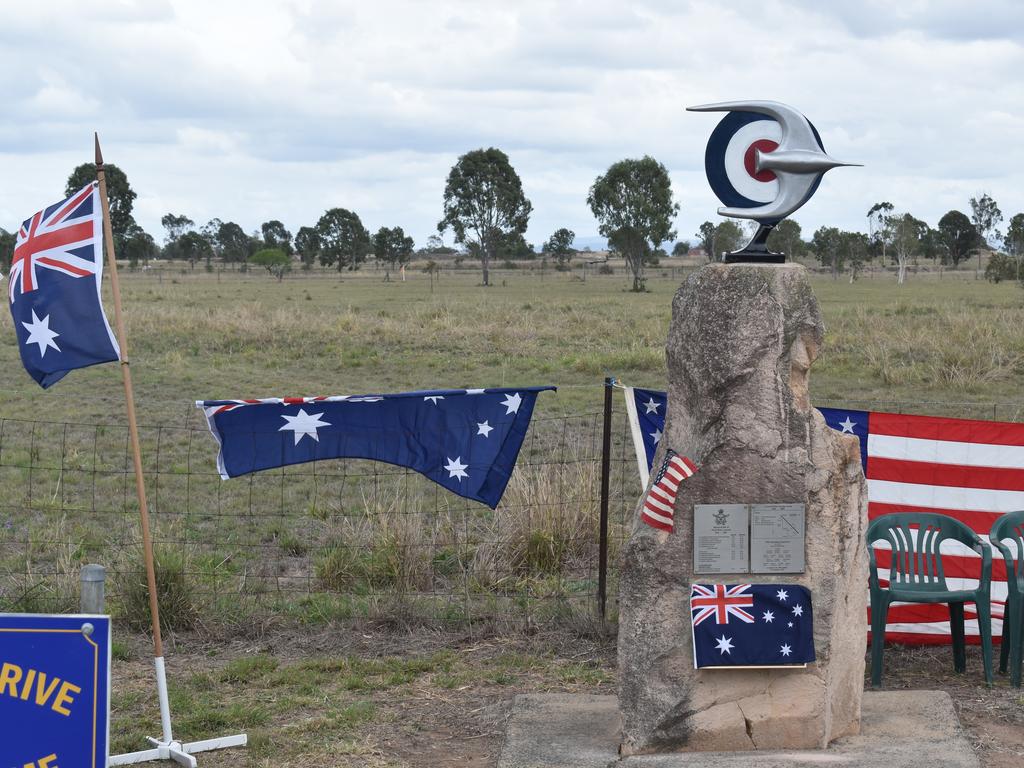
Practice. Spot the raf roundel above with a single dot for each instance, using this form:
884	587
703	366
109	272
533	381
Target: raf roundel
731	159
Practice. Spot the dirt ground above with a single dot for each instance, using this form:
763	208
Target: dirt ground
422	698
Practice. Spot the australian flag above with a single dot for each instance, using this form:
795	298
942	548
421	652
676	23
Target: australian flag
646	408
737	625
466	440
54	289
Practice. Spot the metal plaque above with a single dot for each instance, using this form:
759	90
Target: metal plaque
720	538
777	538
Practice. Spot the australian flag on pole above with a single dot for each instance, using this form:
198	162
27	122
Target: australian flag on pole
466	440
736	625
54	289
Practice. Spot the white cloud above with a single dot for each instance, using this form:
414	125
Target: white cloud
283	108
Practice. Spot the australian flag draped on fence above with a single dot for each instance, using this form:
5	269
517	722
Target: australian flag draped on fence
54	289
466	440
968	469
737	625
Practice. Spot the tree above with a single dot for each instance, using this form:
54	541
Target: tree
880	225
907	233
176	226
483	202
307	243
513	245
343	239
827	246
633	205
276	236
119	194
985	215
393	247
192	247
729	236
706	237
7	242
682	248
1014	240
276	261
138	246
232	242
559	245
854	250
787	237
957	237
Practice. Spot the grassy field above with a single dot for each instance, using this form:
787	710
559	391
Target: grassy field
255	573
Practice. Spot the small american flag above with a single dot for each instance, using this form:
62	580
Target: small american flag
659	505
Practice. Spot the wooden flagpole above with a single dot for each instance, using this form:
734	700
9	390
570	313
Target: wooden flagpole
165	748
133	431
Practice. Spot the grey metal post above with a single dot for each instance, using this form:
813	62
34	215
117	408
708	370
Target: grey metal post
93	577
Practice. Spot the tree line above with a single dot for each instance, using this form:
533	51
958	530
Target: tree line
485	207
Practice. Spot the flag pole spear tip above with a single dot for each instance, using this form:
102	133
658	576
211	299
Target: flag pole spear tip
99	154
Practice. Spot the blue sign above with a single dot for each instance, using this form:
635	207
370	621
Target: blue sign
54	691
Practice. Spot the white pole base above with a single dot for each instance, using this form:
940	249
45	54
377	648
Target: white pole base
176	751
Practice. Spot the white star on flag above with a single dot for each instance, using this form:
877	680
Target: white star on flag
785	650
484	428
789	623
651	406
434	398
782	595
304	424
798	610
39	333
456	468
512	402
769	617
847	425
656	435
724	645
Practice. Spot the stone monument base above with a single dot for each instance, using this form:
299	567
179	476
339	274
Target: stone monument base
908	729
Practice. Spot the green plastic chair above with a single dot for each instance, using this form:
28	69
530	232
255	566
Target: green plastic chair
916	576
1010	527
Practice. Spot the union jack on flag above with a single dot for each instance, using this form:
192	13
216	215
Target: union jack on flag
54	290
721	601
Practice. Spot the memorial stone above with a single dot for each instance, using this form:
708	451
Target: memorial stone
741	341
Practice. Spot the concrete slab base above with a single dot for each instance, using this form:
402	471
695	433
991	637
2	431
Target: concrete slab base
899	729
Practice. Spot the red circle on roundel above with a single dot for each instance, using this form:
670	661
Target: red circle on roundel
765	145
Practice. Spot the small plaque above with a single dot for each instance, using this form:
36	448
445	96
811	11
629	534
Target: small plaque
777	538
720	538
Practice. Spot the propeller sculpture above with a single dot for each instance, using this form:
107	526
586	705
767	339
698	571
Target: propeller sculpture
764	160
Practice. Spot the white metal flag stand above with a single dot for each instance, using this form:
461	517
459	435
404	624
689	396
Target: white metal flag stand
164	748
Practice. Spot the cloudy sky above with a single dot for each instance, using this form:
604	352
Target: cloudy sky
258	109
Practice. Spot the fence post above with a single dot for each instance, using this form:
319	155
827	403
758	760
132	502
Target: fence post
93	577
606	458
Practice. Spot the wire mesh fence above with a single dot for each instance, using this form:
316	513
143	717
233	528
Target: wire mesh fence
327	540
342	539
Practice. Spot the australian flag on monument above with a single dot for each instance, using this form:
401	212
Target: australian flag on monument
466	440
56	273
736	625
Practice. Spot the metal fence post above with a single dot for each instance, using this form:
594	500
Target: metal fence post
93	577
606	458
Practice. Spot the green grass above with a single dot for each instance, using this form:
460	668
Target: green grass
339	546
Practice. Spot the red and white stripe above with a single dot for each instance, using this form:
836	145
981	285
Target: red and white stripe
967	469
659	504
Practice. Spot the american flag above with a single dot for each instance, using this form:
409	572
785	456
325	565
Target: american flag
659	505
967	469
54	289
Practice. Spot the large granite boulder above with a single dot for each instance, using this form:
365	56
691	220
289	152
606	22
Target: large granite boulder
741	342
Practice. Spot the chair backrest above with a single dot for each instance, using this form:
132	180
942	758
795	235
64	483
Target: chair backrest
1010	528
915	539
